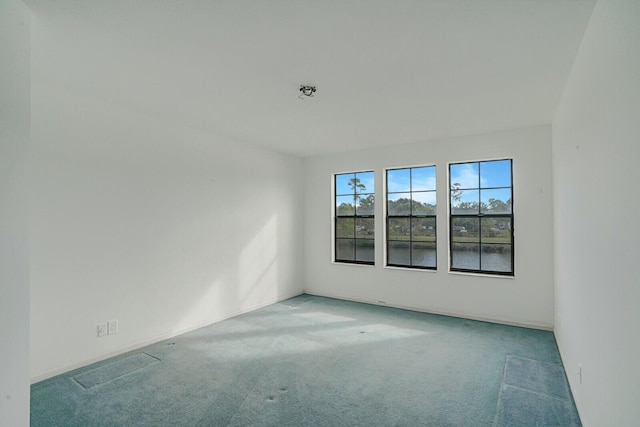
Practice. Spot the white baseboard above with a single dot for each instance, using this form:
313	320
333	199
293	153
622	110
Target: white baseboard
540	326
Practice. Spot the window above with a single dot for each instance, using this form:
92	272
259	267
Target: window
411	217
354	217
481	217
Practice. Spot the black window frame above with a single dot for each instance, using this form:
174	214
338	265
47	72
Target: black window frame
411	217
357	217
479	216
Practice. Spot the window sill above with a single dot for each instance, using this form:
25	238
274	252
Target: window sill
352	264
421	270
493	276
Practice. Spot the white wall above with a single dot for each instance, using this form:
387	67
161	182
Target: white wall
526	299
159	226
596	150
14	254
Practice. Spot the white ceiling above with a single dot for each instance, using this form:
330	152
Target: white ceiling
387	72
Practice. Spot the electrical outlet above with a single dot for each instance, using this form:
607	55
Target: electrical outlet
112	327
102	329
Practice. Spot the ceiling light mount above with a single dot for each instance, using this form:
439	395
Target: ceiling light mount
306	90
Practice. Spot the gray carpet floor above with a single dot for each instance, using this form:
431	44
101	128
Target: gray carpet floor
314	361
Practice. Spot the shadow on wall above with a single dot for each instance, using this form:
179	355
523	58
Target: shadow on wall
256	281
258	266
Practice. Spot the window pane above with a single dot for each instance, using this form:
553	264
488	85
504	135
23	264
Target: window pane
464	175
399	204
399	253
496	230
345	250
495	173
465	230
424	203
365	204
423	229
423	179
364	182
481	235
343	182
496	201
354	223
465	255
496	257
345	227
411	223
345	205
398	180
364	250
399	229
365	228
465	201
423	254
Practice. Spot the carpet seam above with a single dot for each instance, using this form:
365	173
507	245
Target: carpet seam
537	393
502	383
84	388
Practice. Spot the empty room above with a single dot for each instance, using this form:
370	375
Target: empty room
319	213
